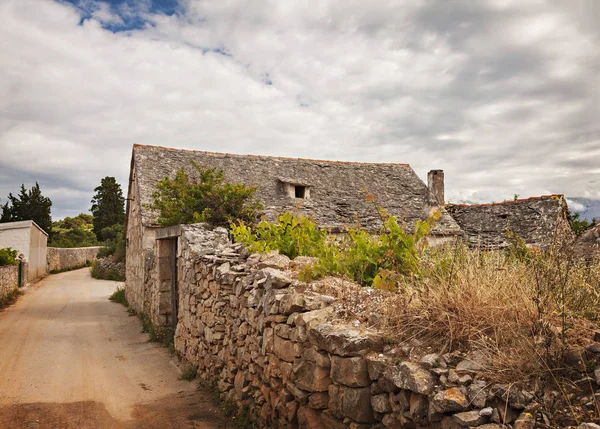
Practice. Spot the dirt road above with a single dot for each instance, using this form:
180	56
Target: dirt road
70	358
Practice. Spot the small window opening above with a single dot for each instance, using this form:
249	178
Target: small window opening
300	191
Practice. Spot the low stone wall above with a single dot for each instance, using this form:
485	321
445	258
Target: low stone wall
65	258
9	279
277	347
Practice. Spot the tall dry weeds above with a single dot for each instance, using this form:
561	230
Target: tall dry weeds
516	311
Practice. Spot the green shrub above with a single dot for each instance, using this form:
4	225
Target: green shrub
165	336
369	259
190	373
8	256
114	248
577	223
293	235
100	273
205	198
119	297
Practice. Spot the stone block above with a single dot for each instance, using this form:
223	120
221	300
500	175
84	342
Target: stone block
311	377
450	400
412	377
470	418
276	279
381	403
418	407
319	400
310	319
286	350
356	404
319	357
351	371
343	341
376	364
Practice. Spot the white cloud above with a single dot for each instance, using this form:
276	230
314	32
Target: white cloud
503	95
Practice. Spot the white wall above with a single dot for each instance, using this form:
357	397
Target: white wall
37	253
17	238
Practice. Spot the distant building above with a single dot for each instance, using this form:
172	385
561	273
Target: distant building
332	193
536	220
30	240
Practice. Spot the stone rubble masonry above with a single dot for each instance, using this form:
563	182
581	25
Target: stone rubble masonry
65	258
276	347
9	279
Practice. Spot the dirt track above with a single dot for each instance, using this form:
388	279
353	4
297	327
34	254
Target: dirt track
70	358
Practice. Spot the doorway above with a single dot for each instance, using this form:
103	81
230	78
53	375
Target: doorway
168	299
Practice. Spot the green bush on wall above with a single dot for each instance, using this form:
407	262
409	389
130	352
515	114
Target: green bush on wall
8	256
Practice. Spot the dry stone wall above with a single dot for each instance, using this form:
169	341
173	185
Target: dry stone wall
65	258
9	279
273	345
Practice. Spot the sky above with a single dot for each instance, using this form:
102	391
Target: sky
503	95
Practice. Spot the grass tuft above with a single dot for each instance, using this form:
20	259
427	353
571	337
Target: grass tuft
164	336
119	297
241	417
10	298
190	373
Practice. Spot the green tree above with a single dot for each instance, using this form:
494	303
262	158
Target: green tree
73	232
28	205
108	208
577	223
206	197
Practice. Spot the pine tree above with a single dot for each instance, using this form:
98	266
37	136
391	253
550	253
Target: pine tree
28	205
108	208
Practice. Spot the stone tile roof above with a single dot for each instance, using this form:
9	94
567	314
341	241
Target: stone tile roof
337	189
535	220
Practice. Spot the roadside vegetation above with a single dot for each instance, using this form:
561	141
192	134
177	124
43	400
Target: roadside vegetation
119	297
9	299
8	256
189	374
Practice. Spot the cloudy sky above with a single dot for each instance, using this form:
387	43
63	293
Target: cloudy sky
504	95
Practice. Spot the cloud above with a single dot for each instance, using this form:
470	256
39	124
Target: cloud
502	95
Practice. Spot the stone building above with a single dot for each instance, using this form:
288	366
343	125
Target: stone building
332	193
536	220
31	241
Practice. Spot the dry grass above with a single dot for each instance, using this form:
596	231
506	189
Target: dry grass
520	314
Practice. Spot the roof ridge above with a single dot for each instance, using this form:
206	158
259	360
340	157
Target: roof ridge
137	145
518	200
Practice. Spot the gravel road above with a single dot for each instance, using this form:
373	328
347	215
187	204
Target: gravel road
70	358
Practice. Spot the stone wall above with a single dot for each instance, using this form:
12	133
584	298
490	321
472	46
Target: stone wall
9	279
65	258
277	347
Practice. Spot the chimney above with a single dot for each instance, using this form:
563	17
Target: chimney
435	183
